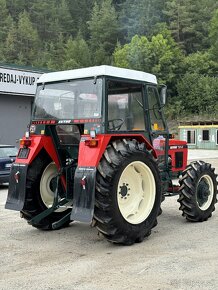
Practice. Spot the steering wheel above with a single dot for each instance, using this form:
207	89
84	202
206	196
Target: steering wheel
115	124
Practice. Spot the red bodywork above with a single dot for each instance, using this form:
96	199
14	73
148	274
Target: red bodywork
90	156
178	147
38	142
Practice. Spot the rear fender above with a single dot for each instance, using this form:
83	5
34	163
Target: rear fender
17	180
38	142
90	156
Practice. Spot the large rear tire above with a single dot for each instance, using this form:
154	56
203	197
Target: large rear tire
40	187
198	190
128	192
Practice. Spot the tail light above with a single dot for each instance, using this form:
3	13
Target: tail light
91	142
25	142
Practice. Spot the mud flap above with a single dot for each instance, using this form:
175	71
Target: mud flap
84	194
17	187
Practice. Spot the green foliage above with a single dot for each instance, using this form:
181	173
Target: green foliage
213	33
104	31
159	56
200	63
56	54
5	20
27	39
199	94
189	22
76	53
177	40
10	50
140	17
80	11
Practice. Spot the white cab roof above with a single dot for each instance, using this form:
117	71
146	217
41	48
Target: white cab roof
95	71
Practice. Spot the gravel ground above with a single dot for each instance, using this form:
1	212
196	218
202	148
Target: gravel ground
177	255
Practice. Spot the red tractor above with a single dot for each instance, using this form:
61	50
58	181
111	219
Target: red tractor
98	151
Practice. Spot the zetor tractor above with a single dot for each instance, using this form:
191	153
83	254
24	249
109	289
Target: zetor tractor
98	151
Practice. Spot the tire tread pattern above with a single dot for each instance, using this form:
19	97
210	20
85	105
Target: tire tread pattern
187	197
116	153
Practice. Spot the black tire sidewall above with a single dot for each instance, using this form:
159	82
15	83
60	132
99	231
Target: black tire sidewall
36	205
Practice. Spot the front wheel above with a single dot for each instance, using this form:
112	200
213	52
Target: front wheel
128	193
198	190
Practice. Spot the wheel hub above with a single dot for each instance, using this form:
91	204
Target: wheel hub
124	190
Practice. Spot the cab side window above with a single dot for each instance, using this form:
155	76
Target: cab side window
154	109
125	107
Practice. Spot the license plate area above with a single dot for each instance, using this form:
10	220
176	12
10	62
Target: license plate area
23	153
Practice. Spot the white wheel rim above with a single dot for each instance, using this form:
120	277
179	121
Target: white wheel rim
136	192
205	201
46	192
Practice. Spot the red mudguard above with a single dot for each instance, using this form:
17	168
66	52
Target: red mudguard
17	181
37	143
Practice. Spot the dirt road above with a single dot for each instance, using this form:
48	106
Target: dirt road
177	255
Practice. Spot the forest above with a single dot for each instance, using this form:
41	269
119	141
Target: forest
177	40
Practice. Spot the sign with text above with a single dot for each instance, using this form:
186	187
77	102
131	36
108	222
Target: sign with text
18	81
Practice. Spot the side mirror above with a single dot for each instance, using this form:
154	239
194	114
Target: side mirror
163	94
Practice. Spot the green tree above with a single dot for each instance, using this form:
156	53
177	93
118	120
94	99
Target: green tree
199	94
213	33
104	31
55	53
134	54
10	50
62	14
160	56
200	63
27	40
5	21
80	11
140	17
51	18
189	22
76	53
15	7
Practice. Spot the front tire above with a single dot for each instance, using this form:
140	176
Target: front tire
128	192
198	190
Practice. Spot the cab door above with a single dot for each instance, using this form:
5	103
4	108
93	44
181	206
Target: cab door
157	126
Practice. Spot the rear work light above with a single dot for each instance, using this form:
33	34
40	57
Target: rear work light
25	142
91	143
32	128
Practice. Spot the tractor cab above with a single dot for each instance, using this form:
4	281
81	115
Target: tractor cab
99	100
